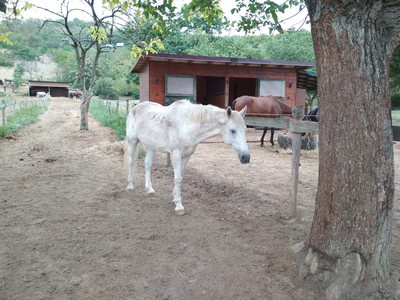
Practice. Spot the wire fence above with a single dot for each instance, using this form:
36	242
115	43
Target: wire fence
117	106
9	106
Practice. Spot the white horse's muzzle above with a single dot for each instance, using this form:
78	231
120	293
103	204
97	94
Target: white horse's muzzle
244	158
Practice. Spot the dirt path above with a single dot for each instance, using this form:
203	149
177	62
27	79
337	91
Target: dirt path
70	230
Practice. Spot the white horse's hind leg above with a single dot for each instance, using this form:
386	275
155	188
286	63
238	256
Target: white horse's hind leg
132	149
148	161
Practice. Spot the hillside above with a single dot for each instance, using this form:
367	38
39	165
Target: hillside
46	70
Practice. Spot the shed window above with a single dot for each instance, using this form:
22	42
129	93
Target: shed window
268	87
180	85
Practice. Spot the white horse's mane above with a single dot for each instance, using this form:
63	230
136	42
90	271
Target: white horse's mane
203	113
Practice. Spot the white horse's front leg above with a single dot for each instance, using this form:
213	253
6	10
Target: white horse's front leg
177	165
148	162
131	150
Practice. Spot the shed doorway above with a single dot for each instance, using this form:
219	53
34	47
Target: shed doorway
211	90
241	87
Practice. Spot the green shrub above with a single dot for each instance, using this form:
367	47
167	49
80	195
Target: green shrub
113	95
104	88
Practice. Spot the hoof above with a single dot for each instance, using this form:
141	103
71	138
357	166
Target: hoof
180	212
129	187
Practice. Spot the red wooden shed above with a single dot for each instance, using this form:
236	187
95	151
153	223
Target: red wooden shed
165	78
56	89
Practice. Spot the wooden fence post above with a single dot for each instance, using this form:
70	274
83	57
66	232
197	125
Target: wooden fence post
127	107
297	114
3	113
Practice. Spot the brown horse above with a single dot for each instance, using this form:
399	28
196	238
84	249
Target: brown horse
265	106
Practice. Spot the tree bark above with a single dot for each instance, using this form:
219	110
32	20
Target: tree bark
351	233
84	109
88	93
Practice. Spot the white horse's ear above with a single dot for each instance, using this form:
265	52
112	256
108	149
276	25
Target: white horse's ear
229	111
243	111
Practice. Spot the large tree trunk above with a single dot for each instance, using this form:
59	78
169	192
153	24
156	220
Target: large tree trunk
352	227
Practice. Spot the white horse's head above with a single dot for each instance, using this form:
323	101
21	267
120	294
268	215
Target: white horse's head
235	134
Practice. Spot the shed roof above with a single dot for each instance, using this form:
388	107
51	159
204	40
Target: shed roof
49	83
180	58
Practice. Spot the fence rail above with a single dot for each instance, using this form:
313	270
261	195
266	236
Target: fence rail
15	105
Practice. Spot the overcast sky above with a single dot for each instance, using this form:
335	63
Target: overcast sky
226	5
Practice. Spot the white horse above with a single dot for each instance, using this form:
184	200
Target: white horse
177	129
41	94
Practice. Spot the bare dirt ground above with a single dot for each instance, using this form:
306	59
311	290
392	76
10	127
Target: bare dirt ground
70	230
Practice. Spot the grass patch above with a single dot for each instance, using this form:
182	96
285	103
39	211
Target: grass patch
115	121
22	117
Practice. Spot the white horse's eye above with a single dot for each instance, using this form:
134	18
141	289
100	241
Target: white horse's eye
233	131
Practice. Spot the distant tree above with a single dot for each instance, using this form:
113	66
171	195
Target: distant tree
292	45
225	46
30	67
311	97
17	75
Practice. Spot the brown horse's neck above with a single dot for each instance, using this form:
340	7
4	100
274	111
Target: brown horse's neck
243	101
